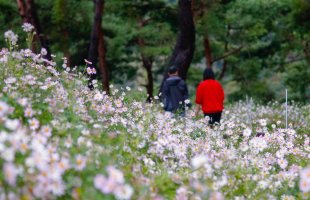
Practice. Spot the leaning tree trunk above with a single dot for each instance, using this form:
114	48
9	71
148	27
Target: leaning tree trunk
184	49
94	39
28	12
147	63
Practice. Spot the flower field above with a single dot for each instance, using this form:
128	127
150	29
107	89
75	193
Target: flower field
59	140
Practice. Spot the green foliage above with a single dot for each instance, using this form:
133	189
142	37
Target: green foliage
252	36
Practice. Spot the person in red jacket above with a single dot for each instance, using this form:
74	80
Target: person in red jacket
210	97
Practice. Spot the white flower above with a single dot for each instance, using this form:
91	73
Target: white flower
8	154
98	96
198	161
27	27
263	122
28	52
258	143
12	124
43	52
123	192
10	80
247	132
282	163
11	36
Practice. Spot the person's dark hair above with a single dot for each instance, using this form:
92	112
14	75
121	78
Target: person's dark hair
208	74
172	70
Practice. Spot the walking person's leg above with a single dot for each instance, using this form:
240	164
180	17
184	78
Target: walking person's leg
217	117
214	117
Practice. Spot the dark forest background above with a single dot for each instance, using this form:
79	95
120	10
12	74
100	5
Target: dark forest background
257	48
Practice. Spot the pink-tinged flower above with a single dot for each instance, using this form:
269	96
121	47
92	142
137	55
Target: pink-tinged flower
123	192
89	70
80	162
94	71
34	124
63	164
282	163
182	193
10	173
304	185
103	184
99	181
118	103
46	131
115	174
216	196
57	187
28	112
4	109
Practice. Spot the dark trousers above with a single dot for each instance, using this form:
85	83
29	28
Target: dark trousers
214	117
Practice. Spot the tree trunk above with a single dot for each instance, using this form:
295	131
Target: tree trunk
147	64
29	14
22	9
207	49
94	39
184	49
102	62
66	47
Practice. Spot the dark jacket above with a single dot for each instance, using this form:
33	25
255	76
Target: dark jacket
174	92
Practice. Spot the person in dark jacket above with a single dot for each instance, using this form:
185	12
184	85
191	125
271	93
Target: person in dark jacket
174	92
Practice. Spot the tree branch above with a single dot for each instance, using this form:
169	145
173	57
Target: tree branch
228	54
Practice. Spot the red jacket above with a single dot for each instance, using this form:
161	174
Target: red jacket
210	95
